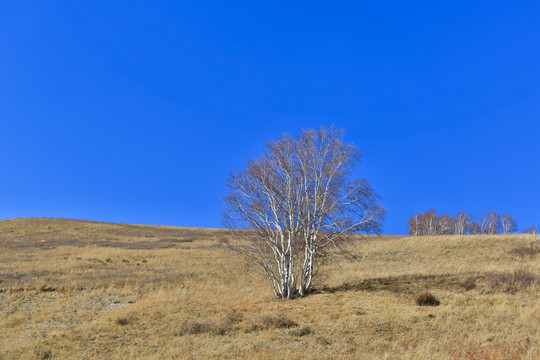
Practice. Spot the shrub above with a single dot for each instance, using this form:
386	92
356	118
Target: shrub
123	321
426	299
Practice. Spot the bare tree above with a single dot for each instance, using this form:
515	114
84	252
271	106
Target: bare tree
491	223
475	228
508	224
427	223
414	226
445	224
462	223
296	201
531	230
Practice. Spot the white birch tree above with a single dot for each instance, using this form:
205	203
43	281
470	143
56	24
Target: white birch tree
491	223
508	224
414	225
445	224
462	223
295	202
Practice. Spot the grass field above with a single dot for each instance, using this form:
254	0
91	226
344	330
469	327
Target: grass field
87	290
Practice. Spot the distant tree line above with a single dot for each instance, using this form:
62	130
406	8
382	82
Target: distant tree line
429	223
531	230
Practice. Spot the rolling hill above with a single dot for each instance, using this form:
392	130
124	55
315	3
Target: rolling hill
81	290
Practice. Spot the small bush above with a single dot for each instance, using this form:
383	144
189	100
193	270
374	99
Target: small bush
46	288
123	321
272	322
426	299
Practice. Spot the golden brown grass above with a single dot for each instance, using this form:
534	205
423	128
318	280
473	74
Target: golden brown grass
87	290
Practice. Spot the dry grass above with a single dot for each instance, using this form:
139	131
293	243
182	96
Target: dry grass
87	290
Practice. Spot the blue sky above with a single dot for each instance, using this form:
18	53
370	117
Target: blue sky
137	111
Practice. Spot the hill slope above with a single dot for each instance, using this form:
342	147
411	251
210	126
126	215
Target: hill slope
81	289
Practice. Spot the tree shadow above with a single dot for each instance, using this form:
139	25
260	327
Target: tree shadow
404	284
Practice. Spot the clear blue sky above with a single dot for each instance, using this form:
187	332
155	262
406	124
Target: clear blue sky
135	111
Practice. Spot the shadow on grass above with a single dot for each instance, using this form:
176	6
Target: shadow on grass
404	284
45	234
48	243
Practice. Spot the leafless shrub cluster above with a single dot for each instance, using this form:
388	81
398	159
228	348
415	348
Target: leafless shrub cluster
429	223
509	282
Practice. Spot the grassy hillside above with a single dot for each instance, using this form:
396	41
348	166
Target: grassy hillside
81	290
